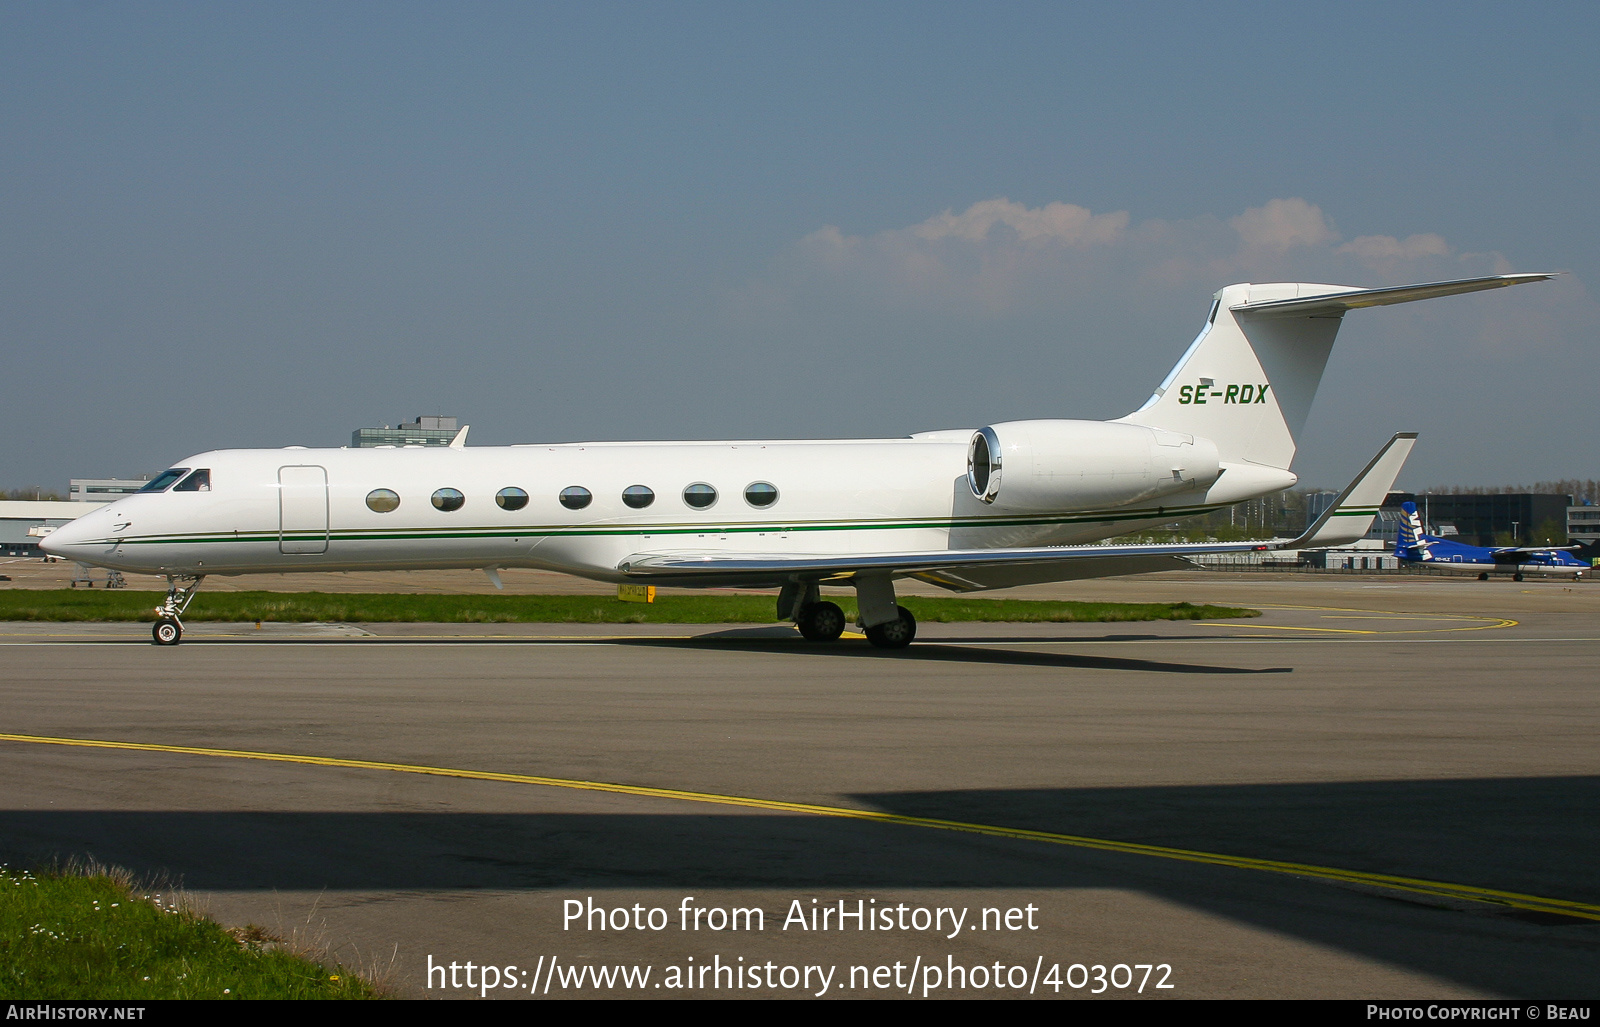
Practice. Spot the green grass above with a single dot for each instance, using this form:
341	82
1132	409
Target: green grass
66	934
84	605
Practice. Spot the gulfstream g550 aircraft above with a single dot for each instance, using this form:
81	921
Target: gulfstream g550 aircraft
1008	504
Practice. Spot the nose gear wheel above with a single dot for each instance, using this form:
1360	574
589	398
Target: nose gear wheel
168	628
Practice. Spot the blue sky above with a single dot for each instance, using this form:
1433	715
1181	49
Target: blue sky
269	224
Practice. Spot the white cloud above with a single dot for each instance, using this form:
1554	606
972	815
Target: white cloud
1376	248
1057	222
999	257
1283	225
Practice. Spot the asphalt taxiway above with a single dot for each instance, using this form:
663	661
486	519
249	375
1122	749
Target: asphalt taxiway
1384	787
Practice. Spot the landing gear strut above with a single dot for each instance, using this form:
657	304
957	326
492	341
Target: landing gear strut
168	629
887	625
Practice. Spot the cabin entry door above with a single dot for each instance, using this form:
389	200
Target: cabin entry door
303	509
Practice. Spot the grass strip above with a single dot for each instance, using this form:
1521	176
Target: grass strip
83	605
93	934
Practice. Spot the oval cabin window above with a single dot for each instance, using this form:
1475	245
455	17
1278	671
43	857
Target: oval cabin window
448	500
382	500
511	499
575	497
760	494
638	496
700	495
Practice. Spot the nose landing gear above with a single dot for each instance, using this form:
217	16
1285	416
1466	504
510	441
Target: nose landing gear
168	628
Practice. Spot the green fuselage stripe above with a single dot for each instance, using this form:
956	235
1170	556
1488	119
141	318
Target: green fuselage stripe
680	528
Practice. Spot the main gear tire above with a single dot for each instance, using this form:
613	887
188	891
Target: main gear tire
821	622
895	634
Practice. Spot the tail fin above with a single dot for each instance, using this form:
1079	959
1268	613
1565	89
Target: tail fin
1411	533
1247	382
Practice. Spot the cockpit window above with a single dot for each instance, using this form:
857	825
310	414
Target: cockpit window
199	481
162	481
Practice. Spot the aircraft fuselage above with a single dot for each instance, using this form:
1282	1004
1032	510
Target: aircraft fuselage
266	511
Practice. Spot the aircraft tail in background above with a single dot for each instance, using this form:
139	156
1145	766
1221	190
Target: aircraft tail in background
1412	534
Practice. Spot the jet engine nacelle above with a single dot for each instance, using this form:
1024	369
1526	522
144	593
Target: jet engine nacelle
1062	464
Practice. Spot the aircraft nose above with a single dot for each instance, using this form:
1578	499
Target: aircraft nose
67	537
60	541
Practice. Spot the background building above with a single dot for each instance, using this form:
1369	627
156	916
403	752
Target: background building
1583	524
1502	519
102	490
424	431
19	517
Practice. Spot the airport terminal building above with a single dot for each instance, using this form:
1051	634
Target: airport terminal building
1483	520
424	431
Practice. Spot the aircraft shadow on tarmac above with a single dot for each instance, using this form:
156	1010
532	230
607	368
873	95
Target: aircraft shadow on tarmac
1532	835
934	652
788	644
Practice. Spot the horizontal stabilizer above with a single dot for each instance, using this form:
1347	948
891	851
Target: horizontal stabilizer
1336	303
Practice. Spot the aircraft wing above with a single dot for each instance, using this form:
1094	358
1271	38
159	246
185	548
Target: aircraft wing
959	569
1347	519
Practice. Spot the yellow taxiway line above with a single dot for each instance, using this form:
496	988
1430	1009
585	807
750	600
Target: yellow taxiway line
1418	886
1343	613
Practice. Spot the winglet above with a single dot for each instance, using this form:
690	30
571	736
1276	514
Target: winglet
460	441
1351	514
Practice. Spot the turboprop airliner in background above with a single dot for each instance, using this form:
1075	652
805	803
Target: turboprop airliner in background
1008	504
1414	547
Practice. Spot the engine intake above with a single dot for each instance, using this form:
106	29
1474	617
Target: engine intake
1065	464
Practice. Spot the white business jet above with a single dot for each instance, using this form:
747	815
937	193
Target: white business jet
1009	504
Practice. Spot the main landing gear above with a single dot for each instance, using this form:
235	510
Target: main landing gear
887	625
168	628
895	634
820	622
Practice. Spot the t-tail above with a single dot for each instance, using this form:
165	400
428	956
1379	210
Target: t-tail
1247	382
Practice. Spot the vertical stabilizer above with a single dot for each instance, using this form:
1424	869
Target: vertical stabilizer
1412	535
1248	381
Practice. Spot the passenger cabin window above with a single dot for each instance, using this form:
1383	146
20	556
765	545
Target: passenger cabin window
382	500
575	497
638	496
162	481
448	500
760	494
199	481
700	495
511	499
